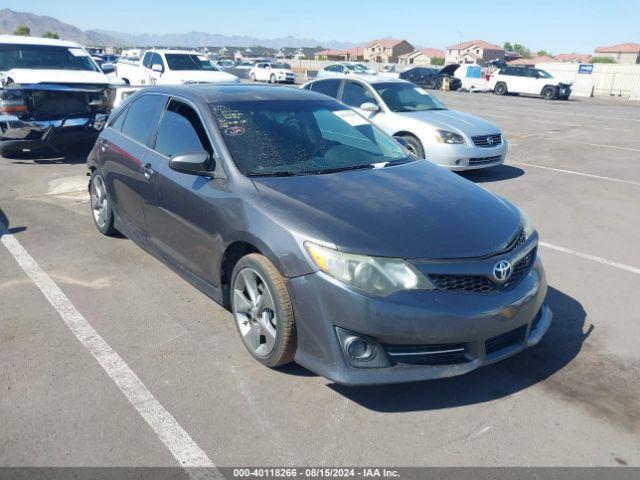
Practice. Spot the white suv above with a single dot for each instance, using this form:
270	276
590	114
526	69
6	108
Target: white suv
531	81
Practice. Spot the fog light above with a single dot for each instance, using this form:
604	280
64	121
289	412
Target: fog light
359	349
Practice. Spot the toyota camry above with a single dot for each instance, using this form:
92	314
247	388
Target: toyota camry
331	245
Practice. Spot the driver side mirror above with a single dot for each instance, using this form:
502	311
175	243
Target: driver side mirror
370	107
108	68
157	68
193	163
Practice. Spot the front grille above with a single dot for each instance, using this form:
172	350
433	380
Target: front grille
500	342
426	354
67	103
482	283
486	141
484	160
517	241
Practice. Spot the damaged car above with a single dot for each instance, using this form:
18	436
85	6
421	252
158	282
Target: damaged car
53	96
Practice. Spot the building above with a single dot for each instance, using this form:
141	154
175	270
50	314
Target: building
573	57
623	53
473	51
532	62
386	50
355	54
420	58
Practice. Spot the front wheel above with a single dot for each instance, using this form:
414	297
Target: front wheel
101	210
272	79
252	77
413	144
549	93
262	311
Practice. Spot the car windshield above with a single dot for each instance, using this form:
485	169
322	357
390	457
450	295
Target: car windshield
280	138
543	74
406	97
182	61
279	65
44	57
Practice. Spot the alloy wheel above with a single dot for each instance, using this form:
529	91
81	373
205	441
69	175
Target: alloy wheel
254	311
99	202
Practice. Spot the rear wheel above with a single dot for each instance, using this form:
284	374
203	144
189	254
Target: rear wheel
413	145
101	210
549	92
272	78
500	88
262	310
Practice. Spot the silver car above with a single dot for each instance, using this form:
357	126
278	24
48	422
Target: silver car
451	139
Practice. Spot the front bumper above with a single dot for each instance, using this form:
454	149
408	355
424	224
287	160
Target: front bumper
19	135
466	157
489	327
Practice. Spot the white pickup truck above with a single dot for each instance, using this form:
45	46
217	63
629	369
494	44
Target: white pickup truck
53	96
171	67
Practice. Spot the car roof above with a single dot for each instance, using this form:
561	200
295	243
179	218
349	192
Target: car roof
181	52
17	39
212	93
370	81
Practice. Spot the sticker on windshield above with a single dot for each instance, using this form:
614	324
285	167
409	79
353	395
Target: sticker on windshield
78	52
352	118
234	131
203	58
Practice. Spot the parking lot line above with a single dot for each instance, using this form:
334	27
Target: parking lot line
576	173
594	258
183	448
613	146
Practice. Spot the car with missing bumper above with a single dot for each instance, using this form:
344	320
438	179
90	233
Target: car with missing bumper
329	244
531	81
451	139
53	96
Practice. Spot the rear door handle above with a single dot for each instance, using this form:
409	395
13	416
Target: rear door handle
147	170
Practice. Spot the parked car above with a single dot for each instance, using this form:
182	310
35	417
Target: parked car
451	139
242	69
344	69
531	81
329	244
172	67
433	77
52	96
225	64
272	73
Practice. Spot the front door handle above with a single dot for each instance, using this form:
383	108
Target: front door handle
147	170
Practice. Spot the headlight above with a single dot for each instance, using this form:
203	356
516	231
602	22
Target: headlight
527	225
445	136
375	275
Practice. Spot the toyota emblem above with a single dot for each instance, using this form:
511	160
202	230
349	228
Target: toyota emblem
502	271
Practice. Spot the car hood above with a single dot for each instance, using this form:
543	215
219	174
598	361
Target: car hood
455	121
415	210
30	76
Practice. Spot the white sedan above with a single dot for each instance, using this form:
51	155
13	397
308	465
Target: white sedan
272	73
345	69
451	139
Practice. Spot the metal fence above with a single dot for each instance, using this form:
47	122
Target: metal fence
605	80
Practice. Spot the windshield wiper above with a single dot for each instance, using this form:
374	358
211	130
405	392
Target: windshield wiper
341	169
273	174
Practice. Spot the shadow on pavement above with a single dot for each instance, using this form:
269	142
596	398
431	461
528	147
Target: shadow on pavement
558	348
6	228
492	174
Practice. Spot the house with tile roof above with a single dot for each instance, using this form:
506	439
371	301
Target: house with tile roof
420	58
573	57
473	51
354	54
386	50
622	53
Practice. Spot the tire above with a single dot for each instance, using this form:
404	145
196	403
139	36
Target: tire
264	318
549	92
414	145
272	79
101	210
252	77
438	84
500	88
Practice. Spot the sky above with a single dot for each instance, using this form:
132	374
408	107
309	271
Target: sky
560	26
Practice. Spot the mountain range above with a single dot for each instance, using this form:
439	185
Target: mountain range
10	20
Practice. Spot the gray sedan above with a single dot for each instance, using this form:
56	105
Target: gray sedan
328	243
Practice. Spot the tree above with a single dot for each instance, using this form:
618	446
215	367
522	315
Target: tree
51	35
602	60
437	61
544	53
521	50
508	47
22	31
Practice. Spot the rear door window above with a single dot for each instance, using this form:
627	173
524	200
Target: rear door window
355	95
326	87
180	131
142	117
